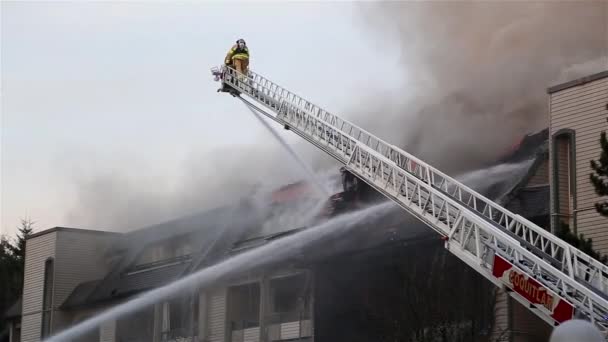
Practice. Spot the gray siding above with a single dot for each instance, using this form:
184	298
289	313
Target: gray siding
527	326
217	316
107	331
583	109
501	317
30	327
79	258
37	251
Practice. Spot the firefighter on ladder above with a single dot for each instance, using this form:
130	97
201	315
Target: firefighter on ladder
238	57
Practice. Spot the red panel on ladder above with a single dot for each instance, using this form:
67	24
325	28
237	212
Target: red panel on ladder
532	290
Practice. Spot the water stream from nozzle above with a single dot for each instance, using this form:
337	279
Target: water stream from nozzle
308	172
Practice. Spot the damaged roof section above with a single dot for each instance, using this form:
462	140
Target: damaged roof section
191	241
217	234
530	146
502	180
531	202
529	194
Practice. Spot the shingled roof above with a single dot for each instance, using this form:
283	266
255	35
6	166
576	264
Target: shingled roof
210	231
531	202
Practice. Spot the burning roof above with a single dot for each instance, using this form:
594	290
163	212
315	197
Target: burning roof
221	232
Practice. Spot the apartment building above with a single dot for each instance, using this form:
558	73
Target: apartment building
358	286
578	113
342	288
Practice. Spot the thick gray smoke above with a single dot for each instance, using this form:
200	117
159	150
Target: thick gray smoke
475	76
119	201
475	73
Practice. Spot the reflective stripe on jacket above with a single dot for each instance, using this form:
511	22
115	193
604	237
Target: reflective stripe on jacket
237	53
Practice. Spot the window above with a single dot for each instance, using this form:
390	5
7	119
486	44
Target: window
137	326
16	332
92	335
47	298
244	306
165	250
179	319
564	166
290	298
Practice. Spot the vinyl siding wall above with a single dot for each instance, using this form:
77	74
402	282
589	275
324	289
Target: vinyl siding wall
216	315
527	326
79	258
582	109
37	251
107	331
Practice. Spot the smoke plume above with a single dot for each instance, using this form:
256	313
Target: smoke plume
475	74
119	199
474	79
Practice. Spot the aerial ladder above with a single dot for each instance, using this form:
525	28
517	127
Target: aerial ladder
550	277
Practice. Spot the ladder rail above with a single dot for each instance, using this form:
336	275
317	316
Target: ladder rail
532	234
471	237
574	262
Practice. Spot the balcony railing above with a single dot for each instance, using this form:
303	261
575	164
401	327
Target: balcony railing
292	325
179	335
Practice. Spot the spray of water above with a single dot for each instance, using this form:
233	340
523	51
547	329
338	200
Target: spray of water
303	166
491	175
483	179
264	255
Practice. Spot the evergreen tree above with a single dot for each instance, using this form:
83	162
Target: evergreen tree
599	178
580	242
12	260
10	284
26	229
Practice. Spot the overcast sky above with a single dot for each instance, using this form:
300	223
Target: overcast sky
104	88
111	120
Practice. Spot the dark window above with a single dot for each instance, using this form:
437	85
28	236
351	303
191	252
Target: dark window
244	306
181	317
47	298
564	201
92	335
289	298
137	326
166	250
17	332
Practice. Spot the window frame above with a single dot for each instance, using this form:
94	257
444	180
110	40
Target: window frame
570	134
48	290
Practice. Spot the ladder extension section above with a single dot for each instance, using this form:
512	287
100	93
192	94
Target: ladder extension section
480	232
